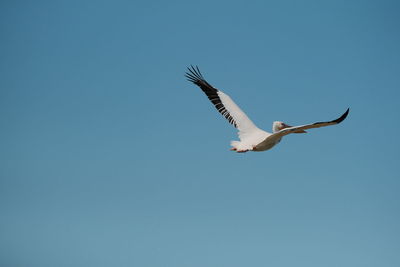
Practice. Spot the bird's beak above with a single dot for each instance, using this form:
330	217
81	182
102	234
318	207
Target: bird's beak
288	126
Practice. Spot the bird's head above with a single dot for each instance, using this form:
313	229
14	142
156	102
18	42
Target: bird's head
279	125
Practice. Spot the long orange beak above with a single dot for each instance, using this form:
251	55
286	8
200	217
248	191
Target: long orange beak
288	126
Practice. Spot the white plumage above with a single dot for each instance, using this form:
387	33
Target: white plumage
251	137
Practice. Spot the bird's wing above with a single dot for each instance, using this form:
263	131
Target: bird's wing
278	135
222	102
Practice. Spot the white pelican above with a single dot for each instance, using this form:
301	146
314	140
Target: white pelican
251	137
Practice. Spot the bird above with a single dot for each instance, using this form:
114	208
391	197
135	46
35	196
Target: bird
251	137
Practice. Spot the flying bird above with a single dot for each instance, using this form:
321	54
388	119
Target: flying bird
251	137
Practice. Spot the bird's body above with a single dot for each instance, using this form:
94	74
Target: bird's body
251	137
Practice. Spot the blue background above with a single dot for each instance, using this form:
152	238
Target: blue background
109	157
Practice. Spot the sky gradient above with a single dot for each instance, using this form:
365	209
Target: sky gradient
109	157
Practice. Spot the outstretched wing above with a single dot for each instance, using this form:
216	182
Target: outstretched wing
278	135
222	102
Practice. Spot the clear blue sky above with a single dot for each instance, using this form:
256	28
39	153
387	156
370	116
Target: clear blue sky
109	157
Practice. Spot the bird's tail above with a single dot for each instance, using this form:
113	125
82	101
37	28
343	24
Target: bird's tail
240	146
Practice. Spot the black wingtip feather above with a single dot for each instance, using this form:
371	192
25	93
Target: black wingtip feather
194	71
341	118
195	76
